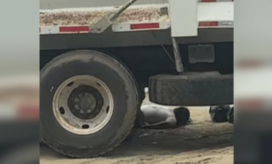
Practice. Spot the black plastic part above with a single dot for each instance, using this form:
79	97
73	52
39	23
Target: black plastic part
231	115
192	89
219	114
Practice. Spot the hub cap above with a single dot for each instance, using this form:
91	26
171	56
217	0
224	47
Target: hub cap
83	104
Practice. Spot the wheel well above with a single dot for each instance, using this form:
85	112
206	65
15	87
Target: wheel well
146	61
143	62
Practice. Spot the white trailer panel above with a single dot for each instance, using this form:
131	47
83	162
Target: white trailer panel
136	18
183	16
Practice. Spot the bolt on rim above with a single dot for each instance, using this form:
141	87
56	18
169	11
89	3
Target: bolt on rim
83	104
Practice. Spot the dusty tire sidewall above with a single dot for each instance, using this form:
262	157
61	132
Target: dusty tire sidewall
118	80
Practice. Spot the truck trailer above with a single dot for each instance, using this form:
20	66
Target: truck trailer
97	56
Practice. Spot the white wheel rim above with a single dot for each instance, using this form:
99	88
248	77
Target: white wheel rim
83	114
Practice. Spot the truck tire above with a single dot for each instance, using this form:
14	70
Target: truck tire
89	103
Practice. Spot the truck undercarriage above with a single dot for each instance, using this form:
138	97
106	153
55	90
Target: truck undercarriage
96	62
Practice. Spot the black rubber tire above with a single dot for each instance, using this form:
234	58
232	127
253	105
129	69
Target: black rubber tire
139	122
125	93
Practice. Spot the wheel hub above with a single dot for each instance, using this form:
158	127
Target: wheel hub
85	102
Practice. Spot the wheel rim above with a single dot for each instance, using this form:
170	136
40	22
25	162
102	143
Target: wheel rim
83	104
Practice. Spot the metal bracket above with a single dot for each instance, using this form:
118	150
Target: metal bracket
106	22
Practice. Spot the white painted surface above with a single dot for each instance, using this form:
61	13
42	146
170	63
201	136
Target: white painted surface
216	11
57	4
49	30
184	20
123	27
183	15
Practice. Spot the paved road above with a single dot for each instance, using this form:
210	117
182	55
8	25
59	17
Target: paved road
53	4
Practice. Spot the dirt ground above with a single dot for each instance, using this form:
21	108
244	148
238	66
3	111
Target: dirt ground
201	142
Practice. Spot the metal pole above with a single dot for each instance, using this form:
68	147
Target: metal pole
121	10
103	24
178	60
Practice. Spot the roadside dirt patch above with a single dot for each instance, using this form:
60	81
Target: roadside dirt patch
201	142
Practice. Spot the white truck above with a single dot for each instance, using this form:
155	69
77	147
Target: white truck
97	56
